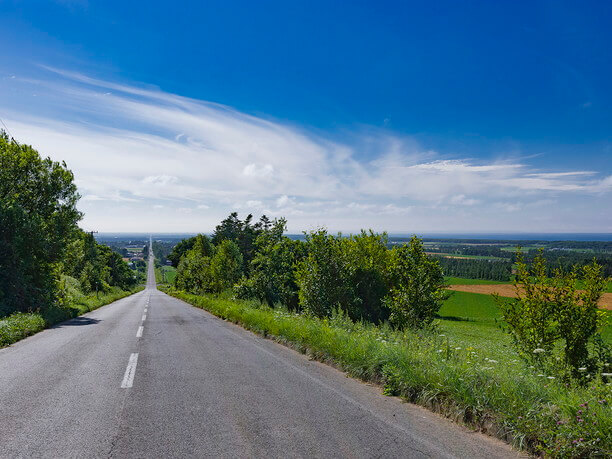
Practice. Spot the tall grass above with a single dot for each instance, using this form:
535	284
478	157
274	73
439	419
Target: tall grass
18	326
532	411
21	325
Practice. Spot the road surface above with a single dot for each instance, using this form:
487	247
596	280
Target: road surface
151	376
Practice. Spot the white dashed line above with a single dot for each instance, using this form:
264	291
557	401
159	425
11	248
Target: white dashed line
130	371
139	332
144	317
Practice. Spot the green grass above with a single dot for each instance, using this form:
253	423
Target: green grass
473	319
165	274
21	325
451	370
169	274
18	326
471	305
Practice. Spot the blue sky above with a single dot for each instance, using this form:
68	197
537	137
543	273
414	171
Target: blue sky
399	116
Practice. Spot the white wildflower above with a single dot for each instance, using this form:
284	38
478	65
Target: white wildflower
539	350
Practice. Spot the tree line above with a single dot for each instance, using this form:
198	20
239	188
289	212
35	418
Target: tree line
43	253
476	269
358	275
566	260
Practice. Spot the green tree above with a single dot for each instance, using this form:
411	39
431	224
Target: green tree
272	270
417	293
366	261
229	229
243	233
225	266
321	277
181	249
38	219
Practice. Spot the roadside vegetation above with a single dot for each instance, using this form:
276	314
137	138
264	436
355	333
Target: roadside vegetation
51	269
383	315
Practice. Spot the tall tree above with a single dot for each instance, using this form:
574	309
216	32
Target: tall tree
38	219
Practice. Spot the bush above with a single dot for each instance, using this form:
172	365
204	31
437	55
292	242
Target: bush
321	277
225	266
550	313
194	270
417	293
366	260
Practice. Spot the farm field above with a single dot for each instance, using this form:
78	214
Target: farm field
473	320
450	280
466	257
508	290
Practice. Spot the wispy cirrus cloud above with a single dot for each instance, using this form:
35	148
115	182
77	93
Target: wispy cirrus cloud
193	161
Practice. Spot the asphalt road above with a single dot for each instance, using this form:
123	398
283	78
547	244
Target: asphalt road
187	384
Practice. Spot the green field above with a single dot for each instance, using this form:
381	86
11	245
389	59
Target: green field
474	320
166	275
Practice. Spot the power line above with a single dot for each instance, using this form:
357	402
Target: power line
7	129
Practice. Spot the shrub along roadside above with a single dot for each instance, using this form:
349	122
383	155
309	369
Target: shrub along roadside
534	413
21	325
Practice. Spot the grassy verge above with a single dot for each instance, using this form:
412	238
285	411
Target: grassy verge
506	400
21	325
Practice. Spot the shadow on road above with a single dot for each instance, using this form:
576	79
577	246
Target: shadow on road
78	321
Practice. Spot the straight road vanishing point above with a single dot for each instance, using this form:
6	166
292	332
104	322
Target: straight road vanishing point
178	382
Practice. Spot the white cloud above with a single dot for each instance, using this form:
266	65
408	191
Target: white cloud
253	170
461	199
140	146
160	180
92	197
284	201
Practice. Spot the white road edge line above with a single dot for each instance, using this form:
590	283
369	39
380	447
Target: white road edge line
144	317
139	332
130	371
